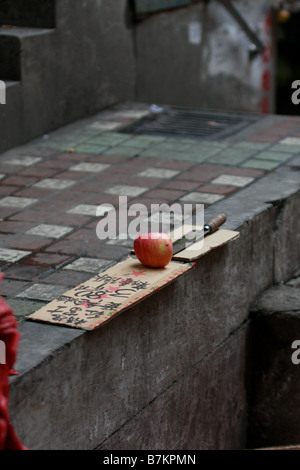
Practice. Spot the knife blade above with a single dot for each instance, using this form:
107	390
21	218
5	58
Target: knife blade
210	227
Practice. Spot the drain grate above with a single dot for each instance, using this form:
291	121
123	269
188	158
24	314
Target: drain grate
189	122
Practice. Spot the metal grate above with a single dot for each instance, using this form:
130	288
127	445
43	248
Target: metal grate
190	122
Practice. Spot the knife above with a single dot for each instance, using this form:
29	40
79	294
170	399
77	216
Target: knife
210	227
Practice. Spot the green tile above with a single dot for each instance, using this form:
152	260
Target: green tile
135	143
145	139
108	138
205	148
22	308
285	148
238	152
274	156
194	154
101	140
172	146
150	139
260	164
70	138
62	146
88	148
216	143
178	140
123	151
255	146
117	135
202	153
152	152
183	140
193	157
228	158
162	155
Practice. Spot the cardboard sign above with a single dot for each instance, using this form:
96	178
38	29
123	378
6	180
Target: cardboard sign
98	300
198	249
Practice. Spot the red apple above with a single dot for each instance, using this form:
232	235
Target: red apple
153	249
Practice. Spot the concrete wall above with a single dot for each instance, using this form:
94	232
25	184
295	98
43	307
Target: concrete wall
94	57
199	56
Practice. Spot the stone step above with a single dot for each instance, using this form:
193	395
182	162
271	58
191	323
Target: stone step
27	62
14	42
34	13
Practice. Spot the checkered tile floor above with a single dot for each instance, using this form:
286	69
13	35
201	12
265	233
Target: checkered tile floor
51	188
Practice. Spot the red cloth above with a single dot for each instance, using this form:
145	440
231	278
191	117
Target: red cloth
10	335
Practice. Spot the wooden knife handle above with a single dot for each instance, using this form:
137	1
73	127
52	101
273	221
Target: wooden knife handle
216	222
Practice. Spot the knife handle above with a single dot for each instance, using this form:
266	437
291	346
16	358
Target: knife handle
216	222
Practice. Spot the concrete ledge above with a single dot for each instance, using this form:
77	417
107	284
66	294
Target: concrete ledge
170	373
